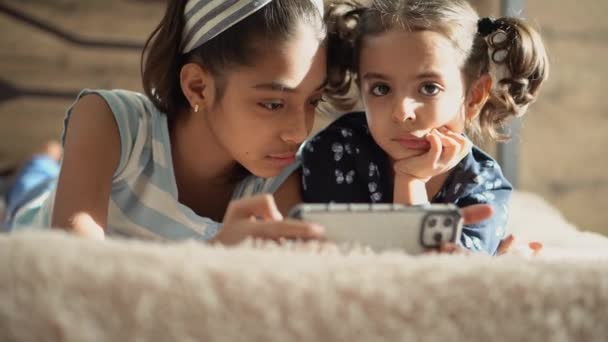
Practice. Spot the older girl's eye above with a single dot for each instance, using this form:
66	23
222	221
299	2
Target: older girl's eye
430	89
271	106
380	90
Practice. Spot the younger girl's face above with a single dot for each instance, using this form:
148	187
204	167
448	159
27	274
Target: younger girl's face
268	108
411	83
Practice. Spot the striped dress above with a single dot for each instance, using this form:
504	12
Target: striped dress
143	201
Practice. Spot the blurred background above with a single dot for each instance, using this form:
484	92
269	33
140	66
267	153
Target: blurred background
561	142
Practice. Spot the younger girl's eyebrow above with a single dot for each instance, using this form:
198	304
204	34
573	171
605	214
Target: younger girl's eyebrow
428	74
422	75
375	75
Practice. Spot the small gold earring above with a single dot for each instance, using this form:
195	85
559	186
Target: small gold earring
196	108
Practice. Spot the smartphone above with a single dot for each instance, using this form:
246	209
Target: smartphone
413	229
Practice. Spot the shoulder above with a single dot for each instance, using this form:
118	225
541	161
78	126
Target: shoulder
343	163
350	125
347	135
130	116
126	106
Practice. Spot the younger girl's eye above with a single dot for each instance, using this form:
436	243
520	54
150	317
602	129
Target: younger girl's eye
271	106
430	89
380	90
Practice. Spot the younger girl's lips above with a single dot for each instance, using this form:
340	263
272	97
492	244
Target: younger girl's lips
413	143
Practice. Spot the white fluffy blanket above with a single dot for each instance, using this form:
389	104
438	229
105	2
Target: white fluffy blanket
55	287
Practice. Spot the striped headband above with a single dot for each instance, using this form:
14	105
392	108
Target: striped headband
205	19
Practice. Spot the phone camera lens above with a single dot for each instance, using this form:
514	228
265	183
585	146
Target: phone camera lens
437	237
448	222
432	222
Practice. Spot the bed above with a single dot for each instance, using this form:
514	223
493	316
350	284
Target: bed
55	287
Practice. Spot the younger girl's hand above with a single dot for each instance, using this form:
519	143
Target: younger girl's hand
504	247
258	217
448	248
447	149
452	248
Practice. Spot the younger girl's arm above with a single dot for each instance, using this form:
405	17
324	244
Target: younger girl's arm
409	190
479	180
486	236
412	174
91	155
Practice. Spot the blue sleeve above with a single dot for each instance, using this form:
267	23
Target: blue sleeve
485	236
478	179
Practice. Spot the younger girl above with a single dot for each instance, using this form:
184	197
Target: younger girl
428	71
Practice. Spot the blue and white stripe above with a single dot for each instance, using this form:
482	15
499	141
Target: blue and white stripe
144	199
206	19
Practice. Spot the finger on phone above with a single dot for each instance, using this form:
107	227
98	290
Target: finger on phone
448	247
453	248
476	213
261	206
536	247
505	245
288	229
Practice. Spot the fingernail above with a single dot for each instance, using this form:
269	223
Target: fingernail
535	246
317	229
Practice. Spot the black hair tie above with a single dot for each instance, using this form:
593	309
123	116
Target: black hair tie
487	26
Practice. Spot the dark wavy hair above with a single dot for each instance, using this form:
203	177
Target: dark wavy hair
350	22
162	59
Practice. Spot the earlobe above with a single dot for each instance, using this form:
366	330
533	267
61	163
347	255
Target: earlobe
195	83
478	95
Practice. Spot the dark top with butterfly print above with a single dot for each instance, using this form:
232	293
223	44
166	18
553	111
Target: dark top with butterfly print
344	164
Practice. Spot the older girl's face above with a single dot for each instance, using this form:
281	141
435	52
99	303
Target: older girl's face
267	109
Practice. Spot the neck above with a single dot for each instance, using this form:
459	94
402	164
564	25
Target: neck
198	156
